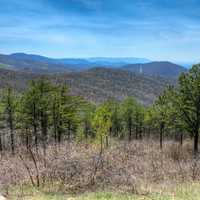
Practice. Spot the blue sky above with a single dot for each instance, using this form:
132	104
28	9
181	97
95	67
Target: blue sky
154	29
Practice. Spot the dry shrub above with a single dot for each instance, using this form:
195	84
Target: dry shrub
177	152
133	166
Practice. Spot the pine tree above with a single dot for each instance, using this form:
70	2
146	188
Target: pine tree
102	123
128	114
187	102
160	114
10	103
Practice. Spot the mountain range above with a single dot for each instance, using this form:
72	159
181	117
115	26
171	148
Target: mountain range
41	64
95	79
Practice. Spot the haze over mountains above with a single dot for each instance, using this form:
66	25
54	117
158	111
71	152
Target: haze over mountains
96	79
38	64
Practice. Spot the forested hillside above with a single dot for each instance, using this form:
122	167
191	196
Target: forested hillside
164	69
98	84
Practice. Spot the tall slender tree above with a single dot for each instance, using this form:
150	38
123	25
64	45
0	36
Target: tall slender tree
128	112
10	104
160	114
102	123
29	110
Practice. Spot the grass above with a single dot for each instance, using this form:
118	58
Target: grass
186	192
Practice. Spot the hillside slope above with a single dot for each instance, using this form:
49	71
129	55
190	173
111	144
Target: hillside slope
96	84
99	84
165	69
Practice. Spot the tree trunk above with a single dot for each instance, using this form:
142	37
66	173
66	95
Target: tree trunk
55	122
1	143
59	130
130	134
181	139
11	132
27	139
196	141
35	135
44	130
12	141
107	142
69	131
86	130
35	126
140	131
161	135
136	132
101	151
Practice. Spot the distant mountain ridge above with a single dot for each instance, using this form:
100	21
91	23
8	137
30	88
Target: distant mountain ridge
41	64
161	68
38	64
117	62
85	62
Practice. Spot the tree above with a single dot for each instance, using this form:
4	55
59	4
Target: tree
10	103
44	91
102	123
173	116
116	118
187	102
64	112
29	110
160	114
128	114
139	120
86	115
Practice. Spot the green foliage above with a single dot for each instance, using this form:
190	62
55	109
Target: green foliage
132	115
116	117
102	121
86	115
46	110
187	102
188	98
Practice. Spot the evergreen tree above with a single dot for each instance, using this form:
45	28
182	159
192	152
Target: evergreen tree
160	114
10	103
187	102
29	111
86	115
102	123
128	114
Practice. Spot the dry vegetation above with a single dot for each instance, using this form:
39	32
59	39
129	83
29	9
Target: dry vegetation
139	167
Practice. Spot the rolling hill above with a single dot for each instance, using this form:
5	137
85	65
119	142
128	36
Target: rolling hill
96	84
144	81
165	69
